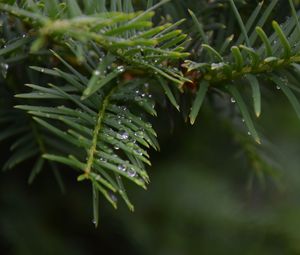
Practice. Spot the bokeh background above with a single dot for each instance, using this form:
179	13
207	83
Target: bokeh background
199	200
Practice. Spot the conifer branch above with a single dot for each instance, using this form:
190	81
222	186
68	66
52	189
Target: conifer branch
97	64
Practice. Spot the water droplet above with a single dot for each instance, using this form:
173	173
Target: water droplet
24	35
243	120
131	172
103	160
116	147
138	152
146	85
96	72
123	135
232	100
121	69
122	168
113	197
277	87
248	133
94	222
42	70
4	69
123	108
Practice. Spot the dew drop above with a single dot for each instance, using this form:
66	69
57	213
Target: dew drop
116	147
277	87
4	68
122	168
103	160
232	100
248	133
122	135
138	152
97	72
121	69
131	172
113	197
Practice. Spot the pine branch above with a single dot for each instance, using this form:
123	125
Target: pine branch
91	100
96	132
250	64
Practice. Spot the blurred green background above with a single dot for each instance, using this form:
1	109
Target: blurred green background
197	203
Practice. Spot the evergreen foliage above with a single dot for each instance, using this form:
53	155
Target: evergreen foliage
80	80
